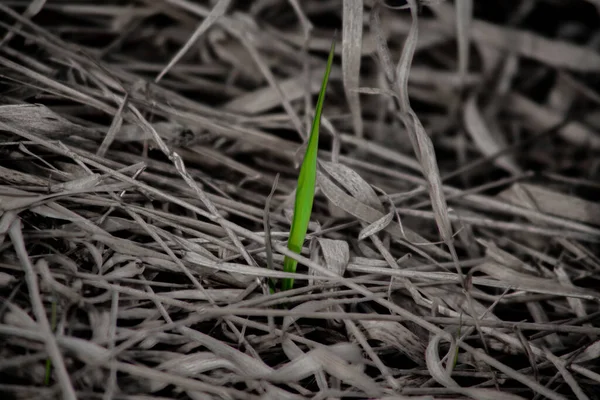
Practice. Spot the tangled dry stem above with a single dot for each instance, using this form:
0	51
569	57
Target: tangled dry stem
453	247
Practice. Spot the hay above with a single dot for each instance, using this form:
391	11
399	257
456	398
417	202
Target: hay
149	156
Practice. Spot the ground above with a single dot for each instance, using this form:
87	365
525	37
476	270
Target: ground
453	245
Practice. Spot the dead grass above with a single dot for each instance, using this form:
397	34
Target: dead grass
149	152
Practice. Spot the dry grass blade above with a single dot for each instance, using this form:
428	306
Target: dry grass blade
554	52
336	254
352	23
396	335
553	202
376	226
422	144
38	309
32	9
542	118
464	14
331	363
114	128
41	120
264	99
487	141
371	215
434	365
567	375
217	11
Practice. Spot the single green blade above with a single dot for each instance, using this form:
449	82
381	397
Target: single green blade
48	361
305	191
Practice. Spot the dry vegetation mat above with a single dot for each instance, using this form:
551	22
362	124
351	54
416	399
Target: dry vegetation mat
149	157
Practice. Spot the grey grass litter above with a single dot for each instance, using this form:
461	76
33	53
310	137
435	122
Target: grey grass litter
453	247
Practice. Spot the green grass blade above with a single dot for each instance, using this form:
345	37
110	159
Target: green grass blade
53	317
455	359
305	191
